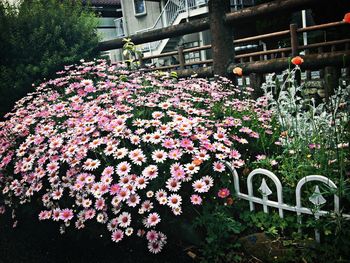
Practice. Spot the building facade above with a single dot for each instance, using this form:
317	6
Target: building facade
146	15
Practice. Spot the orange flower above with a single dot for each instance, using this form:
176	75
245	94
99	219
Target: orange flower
238	71
347	18
229	201
197	162
297	60
284	134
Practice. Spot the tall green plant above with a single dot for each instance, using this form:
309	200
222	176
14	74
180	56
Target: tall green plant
36	39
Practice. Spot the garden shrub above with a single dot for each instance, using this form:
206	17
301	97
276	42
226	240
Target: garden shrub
314	140
38	38
135	152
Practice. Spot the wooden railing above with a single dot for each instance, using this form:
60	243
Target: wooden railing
292	50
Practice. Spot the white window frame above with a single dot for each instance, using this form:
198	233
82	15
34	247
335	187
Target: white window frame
139	14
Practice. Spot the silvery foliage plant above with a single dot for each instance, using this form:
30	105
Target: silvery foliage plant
300	115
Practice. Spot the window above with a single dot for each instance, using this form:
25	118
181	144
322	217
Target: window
139	7
193	56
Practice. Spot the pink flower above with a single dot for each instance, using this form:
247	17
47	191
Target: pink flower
2	210
152	236
223	193
260	157
155	247
117	235
123	168
152	220
196	199
44	215
66	214
218	167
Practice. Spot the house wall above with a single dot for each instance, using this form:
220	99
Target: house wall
106	33
134	23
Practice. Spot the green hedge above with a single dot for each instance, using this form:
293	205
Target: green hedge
37	38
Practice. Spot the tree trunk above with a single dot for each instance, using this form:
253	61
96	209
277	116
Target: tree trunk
221	33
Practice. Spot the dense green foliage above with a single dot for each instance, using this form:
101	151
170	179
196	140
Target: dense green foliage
37	39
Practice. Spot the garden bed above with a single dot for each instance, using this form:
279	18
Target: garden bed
120	162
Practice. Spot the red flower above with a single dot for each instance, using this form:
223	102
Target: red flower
347	18
297	60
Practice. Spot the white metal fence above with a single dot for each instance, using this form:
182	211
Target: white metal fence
316	199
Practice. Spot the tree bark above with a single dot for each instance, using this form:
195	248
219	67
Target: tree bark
222	36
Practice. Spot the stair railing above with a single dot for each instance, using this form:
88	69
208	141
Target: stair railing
168	16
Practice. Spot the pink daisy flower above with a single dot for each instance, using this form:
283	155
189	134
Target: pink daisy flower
52	167
234	154
100	204
66	214
200	187
159	156
44	215
173	184
168	143
155	247
196	199
152	220
124	219
175	154
218	167
223	193
174	200
124	194
120	153
152	236
141	182
191	168
133	200
114	189
56	214
123	168
150	172
109	170
117	235
57	194
89	214
260	157
147	206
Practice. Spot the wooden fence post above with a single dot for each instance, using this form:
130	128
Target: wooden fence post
308	72
295	47
347	69
180	51
294	39
332	76
256	80
221	33
141	61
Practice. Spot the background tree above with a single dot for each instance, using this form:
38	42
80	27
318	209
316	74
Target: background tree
37	38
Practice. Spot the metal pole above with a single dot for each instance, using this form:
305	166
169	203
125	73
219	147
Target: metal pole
187	10
303	16
201	43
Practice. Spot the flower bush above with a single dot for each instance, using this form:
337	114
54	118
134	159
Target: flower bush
126	149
